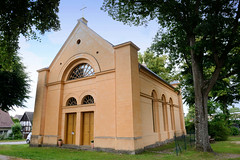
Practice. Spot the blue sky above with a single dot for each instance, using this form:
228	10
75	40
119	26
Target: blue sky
39	54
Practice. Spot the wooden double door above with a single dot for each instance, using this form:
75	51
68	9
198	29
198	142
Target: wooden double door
87	128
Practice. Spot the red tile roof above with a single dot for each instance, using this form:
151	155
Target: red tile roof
5	120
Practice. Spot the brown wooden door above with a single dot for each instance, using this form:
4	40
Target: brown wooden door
71	128
88	127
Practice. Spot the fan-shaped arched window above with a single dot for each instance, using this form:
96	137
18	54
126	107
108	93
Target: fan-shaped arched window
71	102
88	99
82	70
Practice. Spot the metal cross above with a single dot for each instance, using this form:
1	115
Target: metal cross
82	9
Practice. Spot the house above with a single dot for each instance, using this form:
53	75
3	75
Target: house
26	123
96	91
18	116
5	124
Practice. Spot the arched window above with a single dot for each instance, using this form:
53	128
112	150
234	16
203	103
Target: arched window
172	114
154	111
82	70
88	99
71	102
164	107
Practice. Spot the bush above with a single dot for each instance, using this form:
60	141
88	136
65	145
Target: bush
190	127
18	136
218	129
234	131
16	131
2	136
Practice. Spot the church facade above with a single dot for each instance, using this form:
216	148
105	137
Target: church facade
97	92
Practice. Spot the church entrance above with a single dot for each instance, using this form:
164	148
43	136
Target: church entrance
88	127
71	128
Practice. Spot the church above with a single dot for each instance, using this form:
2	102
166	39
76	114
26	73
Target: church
97	92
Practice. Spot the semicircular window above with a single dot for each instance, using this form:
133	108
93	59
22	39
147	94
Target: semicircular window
88	99
82	70
71	102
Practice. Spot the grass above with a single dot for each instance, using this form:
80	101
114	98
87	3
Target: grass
227	146
166	152
13	140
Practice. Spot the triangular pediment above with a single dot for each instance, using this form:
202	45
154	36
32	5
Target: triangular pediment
83	40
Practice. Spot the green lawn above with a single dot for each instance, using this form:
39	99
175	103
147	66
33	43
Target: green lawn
14	140
163	152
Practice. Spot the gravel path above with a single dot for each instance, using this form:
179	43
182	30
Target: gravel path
19	142
2	157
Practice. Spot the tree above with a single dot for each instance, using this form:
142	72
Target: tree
24	17
224	94
15	120
14	86
21	17
157	64
202	34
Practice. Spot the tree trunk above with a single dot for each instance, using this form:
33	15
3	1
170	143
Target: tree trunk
201	98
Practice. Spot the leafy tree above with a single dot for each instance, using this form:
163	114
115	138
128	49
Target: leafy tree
202	34
157	64
14	86
21	17
15	120
24	17
235	109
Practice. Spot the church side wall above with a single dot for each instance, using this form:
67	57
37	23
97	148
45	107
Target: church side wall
166	130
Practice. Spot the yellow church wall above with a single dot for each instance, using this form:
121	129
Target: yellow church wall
122	93
124	111
105	111
149	137
52	110
148	84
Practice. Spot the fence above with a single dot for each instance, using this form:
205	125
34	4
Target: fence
181	142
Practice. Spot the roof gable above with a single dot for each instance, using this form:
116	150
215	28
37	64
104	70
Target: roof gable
5	120
27	116
83	40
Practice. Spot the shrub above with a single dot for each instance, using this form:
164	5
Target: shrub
16	131
234	131
190	127
218	129
2	136
18	136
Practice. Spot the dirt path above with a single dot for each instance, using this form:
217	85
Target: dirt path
2	157
227	156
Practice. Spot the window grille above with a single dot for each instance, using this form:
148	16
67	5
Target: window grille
88	100
71	102
82	70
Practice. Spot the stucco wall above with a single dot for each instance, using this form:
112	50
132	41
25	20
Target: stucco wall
149	84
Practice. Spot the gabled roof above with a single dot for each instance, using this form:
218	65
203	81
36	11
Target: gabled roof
5	120
27	116
18	116
82	23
